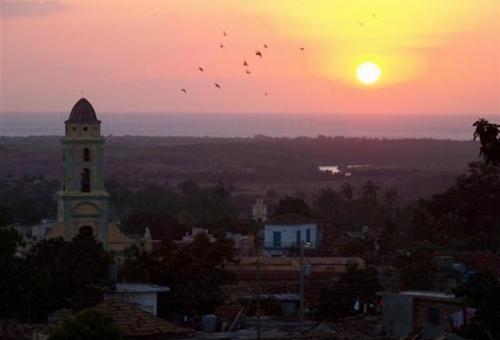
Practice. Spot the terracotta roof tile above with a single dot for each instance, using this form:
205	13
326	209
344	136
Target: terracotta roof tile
133	321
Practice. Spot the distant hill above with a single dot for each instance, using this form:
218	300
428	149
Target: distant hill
255	166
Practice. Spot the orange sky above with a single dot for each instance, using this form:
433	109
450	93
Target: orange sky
438	57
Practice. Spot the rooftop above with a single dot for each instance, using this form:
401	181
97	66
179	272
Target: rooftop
289	219
140	288
133	321
82	112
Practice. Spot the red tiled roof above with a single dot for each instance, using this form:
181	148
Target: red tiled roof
133	321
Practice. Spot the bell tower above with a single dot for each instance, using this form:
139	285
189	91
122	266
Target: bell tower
83	206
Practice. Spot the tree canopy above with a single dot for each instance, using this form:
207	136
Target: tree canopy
51	276
481	290
489	136
90	324
194	272
292	205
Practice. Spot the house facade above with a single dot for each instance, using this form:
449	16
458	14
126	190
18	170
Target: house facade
290	230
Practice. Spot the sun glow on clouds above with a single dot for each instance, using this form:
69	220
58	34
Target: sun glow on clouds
395	34
136	55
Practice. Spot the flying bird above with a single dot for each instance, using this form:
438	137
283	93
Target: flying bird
245	63
221	46
200	68
302	48
265	46
224	33
217	85
184	90
265	93
248	72
258	53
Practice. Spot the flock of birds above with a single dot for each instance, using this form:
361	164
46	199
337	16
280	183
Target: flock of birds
258	53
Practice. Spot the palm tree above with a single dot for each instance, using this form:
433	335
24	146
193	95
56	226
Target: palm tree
391	198
370	191
347	191
370	194
489	136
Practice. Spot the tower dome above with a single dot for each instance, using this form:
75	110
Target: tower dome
82	112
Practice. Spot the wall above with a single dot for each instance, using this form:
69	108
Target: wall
289	235
397	314
421	311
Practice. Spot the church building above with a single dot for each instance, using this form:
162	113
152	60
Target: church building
82	202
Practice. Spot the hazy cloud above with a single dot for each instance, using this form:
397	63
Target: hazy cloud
18	8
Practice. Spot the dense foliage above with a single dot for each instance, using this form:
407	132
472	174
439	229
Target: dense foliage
27	200
356	284
55	274
466	216
91	324
194	272
481	290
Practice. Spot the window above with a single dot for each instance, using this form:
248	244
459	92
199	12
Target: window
276	239
433	316
85	181
308	235
86	155
297	240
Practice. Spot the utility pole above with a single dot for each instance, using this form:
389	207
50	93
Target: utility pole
258	299
301	286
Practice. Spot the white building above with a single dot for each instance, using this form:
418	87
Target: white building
143	295
290	230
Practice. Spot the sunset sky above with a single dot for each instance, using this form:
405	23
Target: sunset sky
439	57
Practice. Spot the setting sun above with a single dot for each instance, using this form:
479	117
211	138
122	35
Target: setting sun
368	73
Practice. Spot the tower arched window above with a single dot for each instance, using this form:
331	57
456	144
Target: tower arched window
85	181
86	155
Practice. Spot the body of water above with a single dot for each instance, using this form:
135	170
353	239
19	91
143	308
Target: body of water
454	127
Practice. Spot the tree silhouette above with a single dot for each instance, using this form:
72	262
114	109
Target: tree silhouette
370	197
481	290
292	205
347	191
92	324
370	191
489	136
